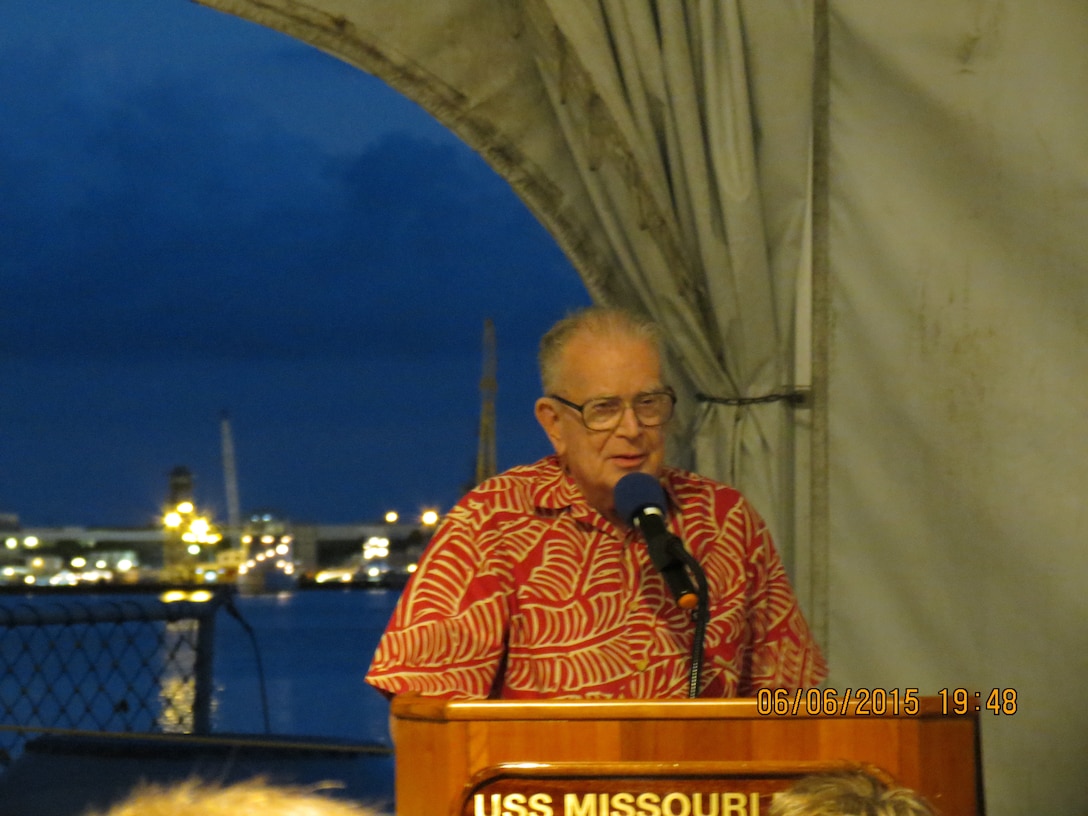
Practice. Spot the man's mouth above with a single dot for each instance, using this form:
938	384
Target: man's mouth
629	460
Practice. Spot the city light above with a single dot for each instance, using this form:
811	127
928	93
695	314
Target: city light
188	534
174	595
194	552
375	547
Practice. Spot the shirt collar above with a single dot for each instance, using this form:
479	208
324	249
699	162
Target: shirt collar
555	488
557	491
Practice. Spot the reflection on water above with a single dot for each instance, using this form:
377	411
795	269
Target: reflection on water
177	690
177	695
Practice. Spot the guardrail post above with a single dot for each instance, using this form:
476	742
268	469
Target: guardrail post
203	669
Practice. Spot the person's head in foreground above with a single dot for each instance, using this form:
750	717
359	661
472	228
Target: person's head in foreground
254	797
850	793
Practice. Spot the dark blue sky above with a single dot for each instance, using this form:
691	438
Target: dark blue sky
199	214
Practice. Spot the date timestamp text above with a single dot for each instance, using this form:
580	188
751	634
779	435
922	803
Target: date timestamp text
855	701
878	702
963	701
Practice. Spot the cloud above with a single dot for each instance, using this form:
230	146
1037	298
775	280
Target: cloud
180	229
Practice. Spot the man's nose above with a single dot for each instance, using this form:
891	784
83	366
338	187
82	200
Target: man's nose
629	422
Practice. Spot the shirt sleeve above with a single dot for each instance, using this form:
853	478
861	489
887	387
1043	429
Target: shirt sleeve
782	652
446	635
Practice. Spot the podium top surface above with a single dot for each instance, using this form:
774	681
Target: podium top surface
807	704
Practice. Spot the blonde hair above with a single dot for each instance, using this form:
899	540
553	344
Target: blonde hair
850	793
598	320
255	797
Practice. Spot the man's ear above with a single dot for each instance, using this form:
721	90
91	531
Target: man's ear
548	417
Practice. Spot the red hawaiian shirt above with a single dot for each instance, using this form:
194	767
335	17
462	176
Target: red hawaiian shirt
527	592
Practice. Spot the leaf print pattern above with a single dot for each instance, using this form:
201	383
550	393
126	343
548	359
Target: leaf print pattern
528	592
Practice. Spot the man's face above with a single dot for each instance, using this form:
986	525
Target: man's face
604	365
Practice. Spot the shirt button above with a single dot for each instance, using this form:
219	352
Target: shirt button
632	606
642	664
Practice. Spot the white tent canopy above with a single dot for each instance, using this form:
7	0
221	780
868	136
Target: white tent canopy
883	202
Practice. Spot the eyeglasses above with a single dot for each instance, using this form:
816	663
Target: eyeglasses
652	409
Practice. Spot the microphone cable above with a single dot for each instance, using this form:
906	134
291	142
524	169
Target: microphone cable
700	615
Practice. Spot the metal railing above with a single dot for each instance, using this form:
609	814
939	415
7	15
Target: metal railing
127	664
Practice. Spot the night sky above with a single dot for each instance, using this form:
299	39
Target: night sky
201	215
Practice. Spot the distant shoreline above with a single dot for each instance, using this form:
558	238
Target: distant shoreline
113	588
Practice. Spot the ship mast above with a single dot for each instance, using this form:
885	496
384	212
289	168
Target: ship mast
486	466
230	478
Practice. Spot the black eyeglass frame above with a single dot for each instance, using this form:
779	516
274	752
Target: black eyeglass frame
667	392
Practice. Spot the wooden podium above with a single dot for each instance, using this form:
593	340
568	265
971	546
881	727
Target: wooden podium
664	758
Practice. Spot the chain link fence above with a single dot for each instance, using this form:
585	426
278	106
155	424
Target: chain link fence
128	664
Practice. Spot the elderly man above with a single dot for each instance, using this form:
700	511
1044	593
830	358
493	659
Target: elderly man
533	587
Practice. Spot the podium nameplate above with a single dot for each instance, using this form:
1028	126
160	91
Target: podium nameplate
635	788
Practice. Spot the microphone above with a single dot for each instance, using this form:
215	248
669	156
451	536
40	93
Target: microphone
640	501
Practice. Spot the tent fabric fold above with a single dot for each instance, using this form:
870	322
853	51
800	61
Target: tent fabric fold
911	246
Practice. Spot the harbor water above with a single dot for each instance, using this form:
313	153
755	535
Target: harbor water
313	650
288	703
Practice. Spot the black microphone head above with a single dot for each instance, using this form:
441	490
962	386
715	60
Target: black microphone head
635	492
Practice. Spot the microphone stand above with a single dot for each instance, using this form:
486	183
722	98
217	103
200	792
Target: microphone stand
699	615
